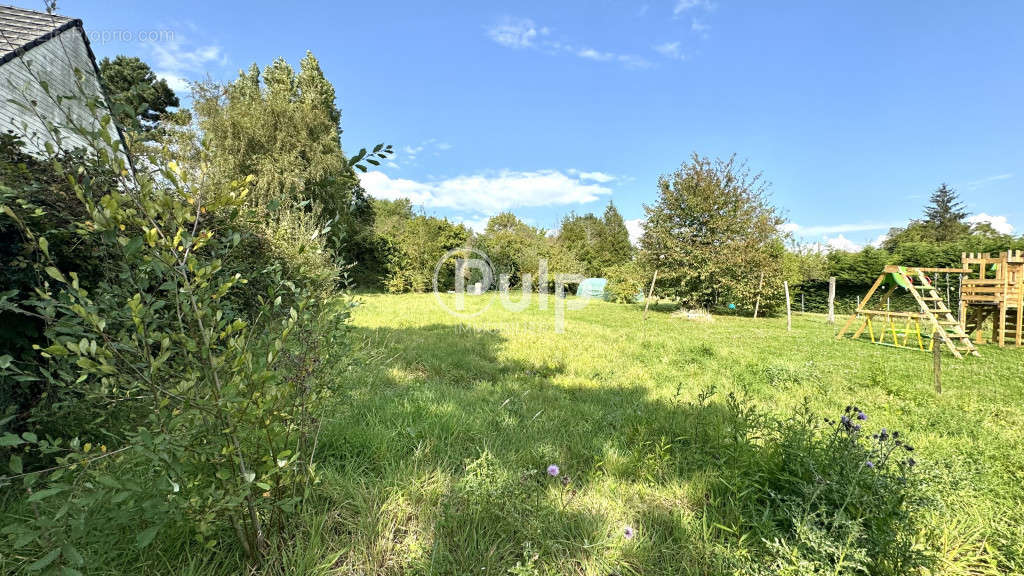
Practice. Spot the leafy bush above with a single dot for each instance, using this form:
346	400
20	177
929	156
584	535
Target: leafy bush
626	281
163	401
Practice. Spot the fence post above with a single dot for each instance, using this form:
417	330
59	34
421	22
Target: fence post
832	300
757	303
789	313
650	293
937	361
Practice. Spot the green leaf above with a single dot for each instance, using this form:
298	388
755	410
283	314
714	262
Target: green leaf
44	245
9	439
55	274
23	540
37	496
5	361
73	555
44	561
142	539
15	464
30	437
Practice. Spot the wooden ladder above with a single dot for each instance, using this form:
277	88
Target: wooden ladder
942	321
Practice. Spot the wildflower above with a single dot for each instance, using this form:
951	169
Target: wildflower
869	464
553	470
628	533
911	462
862	416
908	448
856	427
883	435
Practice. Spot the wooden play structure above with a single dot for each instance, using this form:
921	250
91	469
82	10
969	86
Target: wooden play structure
991	288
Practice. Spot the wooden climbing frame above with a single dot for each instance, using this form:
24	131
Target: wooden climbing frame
932	318
993	289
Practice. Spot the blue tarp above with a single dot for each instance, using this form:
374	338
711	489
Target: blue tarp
593	287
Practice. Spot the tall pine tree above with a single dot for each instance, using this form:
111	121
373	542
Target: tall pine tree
613	246
944	215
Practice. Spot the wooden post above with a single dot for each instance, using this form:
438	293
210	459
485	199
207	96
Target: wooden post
832	300
650	293
960	303
937	361
757	303
789	313
949	303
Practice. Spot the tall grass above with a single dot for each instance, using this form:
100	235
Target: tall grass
708	441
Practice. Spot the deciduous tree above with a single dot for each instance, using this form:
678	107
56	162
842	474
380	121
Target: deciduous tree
712	233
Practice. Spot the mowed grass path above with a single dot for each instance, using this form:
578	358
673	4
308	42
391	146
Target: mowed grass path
434	457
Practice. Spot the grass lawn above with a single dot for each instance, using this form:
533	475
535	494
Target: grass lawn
434	457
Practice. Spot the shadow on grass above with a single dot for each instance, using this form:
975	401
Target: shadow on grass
437	459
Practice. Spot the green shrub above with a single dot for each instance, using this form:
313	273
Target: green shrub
626	282
165	403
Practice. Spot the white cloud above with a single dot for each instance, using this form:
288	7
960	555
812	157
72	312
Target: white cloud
174	82
670	50
987	180
628	60
591	54
487	193
477	223
516	33
177	57
599	177
843	244
999	223
430	146
877	242
523	33
819	230
684	5
699	27
636	230
172	55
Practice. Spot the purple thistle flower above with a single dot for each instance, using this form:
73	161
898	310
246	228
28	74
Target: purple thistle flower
869	464
553	470
628	532
862	416
856	427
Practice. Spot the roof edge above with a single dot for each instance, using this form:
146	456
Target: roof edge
69	25
21	50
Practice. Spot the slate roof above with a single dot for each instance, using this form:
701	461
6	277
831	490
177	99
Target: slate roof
22	29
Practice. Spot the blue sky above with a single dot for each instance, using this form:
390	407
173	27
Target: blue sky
854	111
